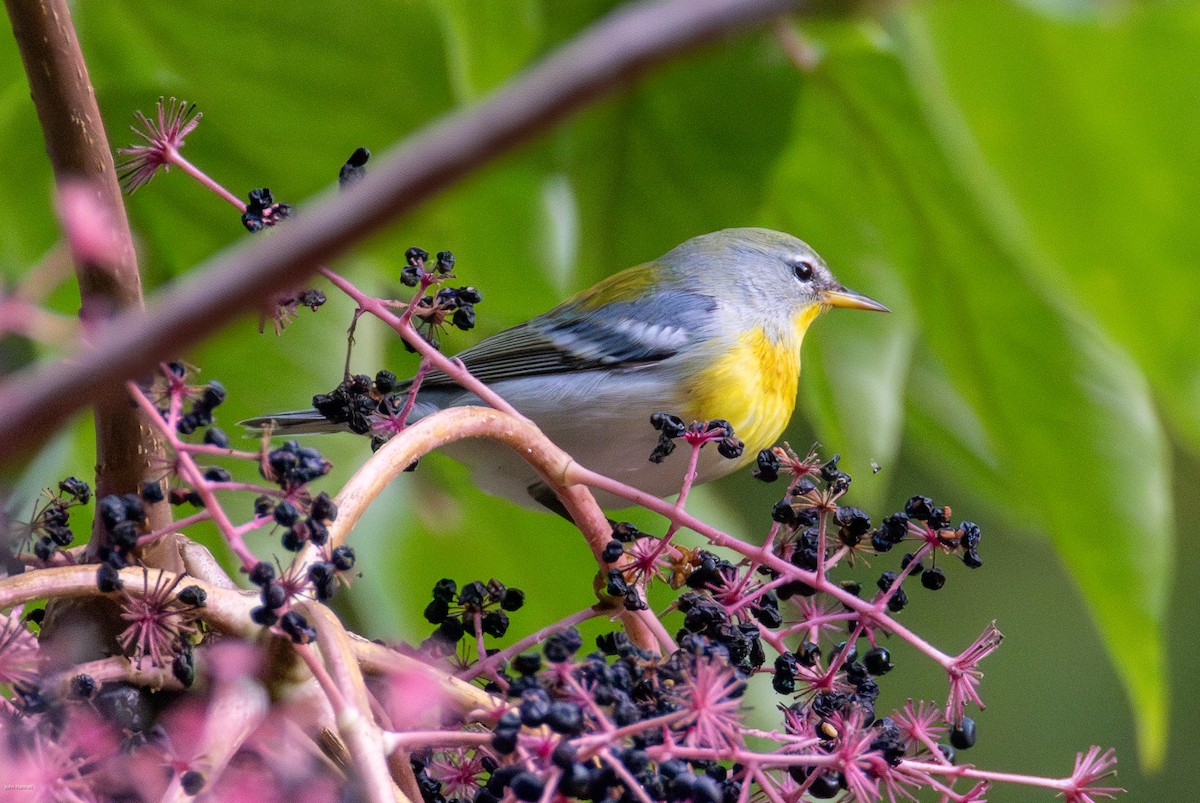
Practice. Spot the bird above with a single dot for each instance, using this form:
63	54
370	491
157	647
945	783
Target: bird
709	331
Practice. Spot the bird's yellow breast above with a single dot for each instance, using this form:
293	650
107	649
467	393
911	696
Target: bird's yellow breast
753	384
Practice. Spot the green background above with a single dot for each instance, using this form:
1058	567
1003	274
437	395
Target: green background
1017	181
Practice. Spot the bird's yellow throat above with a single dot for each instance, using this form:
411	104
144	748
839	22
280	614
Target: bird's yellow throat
753	385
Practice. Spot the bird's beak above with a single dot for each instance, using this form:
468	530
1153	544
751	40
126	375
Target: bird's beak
849	299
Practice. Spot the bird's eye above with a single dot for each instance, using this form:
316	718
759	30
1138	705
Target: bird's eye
803	269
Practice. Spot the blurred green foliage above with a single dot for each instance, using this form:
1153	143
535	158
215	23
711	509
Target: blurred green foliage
1014	180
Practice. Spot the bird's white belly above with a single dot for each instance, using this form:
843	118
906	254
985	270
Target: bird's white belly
600	419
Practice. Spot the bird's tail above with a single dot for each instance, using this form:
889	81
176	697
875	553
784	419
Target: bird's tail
293	422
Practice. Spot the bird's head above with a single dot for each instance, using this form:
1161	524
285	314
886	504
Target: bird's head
766	273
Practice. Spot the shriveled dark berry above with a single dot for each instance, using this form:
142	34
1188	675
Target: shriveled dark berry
83	687
783	512
286	514
495	623
44	548
970	535
878	661
354	169
262	573
322	574
76	488
294	538
562	645
808	654
342	558
933	578
183	667
527	786
445	589
193	596
565	718
512	600
919	507
191	782
962	735
730	448
671	426
273	595
613	550
625	532
827	785
472	595
323	508
527	663
297	628
111	510
152	492
615	583
107	578
767	466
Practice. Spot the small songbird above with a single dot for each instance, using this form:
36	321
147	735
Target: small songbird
711	330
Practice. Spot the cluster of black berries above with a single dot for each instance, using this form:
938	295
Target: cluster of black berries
200	413
300	529
672	427
123	517
714	574
355	400
275	595
449	305
50	523
704	617
293	465
323	573
617	585
631	685
455	612
355	168
263	211
414	271
455	303
922	520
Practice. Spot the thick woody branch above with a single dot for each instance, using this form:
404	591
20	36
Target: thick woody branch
605	57
82	161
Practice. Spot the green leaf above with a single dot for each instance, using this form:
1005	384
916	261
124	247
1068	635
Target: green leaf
487	42
1060	410
1107	192
685	152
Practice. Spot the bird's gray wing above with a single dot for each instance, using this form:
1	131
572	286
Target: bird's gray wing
575	337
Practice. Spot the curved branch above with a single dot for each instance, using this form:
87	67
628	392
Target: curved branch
519	434
602	59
